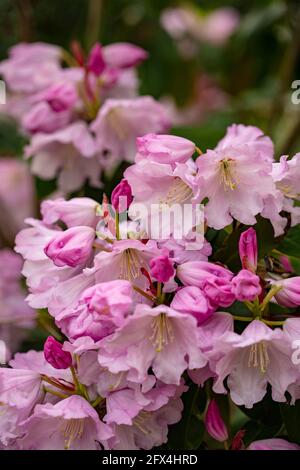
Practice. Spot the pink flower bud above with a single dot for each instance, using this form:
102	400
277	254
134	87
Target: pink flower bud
248	249
286	264
246	285
191	300
121	197
289	294
161	268
219	291
60	96
214	423
71	247
55	355
95	62
123	55
165	148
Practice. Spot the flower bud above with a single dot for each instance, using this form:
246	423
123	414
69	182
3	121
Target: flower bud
214	423
61	96
123	55
248	249
95	62
191	300
55	355
246	286
71	247
121	197
289	294
161	268
165	148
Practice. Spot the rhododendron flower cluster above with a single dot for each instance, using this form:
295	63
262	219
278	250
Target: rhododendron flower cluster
139	321
81	119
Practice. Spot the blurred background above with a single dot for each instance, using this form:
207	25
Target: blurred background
212	63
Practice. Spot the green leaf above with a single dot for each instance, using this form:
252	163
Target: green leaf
189	432
291	418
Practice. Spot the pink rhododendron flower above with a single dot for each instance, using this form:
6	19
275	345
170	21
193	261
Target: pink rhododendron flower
16	197
16	317
211	331
286	174
69	152
252	360
119	122
238	135
69	424
163	339
99	311
238	183
31	66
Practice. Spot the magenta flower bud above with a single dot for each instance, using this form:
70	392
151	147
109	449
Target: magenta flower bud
289	294
95	62
121	197
248	249
161	268
55	355
214	423
71	247
286	264
191	300
246	286
165	148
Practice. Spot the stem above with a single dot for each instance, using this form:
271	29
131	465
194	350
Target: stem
93	22
76	381
55	384
240	318
117	225
54	392
149	297
226	446
273	291
273	322
97	401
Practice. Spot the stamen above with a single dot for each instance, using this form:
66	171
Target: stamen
130	265
162	332
179	193
72	431
259	356
140	421
228	177
287	190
